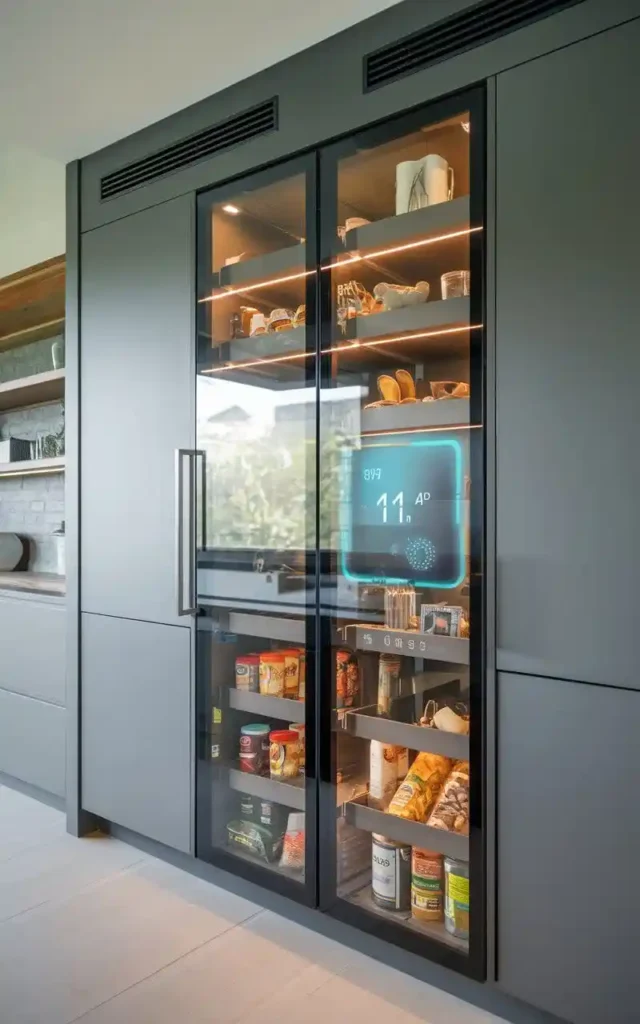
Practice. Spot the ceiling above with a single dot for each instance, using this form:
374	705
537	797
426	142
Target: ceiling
76	75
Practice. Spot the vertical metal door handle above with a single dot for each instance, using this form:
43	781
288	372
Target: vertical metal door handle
185	532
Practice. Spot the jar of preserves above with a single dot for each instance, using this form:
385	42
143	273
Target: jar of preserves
272	666
254	748
284	754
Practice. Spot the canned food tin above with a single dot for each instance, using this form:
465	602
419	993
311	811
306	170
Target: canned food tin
248	672
456	905
390	873
427	884
254	748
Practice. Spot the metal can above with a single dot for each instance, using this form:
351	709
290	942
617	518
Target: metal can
272	665
456	897
254	748
248	672
390	873
388	682
427	885
284	754
347	679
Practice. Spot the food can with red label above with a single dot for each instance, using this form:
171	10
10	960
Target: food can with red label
248	672
254	748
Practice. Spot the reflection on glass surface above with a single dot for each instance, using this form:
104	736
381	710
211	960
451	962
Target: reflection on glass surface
256	427
400	337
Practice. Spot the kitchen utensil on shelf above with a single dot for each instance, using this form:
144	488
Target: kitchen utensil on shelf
423	182
455	284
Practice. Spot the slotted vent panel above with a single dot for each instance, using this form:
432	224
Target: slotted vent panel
472	27
224	135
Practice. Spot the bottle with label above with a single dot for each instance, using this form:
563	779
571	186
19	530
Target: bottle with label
456	907
383	773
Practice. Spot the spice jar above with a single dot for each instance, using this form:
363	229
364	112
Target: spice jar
284	754
272	666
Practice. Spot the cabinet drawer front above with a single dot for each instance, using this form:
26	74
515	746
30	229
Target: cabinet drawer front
136	727
32	741
32	648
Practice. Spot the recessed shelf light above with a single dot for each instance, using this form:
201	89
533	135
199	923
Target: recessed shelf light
230	208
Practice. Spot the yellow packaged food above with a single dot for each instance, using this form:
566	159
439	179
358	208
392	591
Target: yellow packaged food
451	811
417	794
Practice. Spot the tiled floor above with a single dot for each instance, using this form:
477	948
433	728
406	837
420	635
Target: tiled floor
93	930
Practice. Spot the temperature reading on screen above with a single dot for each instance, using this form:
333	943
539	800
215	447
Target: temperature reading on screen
393	511
373	474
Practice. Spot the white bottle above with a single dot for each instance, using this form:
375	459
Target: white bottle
383	774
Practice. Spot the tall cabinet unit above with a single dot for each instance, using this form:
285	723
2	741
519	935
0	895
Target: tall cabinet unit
339	484
136	411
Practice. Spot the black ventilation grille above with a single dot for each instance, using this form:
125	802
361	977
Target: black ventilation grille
206	143
478	24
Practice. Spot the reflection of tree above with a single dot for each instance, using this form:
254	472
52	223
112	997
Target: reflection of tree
261	491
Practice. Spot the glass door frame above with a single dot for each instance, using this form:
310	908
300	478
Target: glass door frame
305	891
474	963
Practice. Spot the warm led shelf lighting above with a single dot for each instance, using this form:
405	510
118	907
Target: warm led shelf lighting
347	346
400	248
254	287
230	208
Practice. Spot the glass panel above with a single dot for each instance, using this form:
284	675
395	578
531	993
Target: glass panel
396	444
256	430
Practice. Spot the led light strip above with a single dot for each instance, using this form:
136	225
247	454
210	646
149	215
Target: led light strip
399	248
347	261
255	287
345	347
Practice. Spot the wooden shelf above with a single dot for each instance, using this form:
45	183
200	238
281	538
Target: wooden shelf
34	390
450	412
33	467
32	303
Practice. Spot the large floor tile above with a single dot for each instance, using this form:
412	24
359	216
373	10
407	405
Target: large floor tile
232	978
25	823
60	960
58	867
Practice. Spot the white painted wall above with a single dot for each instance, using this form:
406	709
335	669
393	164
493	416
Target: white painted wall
32	208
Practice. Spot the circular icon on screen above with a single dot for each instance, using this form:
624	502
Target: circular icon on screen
421	553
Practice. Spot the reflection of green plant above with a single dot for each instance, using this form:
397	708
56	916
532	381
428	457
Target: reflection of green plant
261	491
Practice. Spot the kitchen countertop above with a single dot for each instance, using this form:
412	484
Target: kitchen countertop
34	583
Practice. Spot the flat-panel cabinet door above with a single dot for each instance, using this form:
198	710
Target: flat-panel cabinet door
137	407
136	727
568	362
568	848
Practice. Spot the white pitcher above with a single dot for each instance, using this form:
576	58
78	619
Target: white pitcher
423	182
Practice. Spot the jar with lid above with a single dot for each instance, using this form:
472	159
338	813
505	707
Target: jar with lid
456	897
254	748
272	667
284	754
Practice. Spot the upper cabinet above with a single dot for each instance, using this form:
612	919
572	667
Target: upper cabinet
568	362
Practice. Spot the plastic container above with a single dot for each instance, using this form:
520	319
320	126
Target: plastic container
455	284
254	748
272	669
284	754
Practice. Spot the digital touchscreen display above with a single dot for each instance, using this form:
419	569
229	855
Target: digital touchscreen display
403	512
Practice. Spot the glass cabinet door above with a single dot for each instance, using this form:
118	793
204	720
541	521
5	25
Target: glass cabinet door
401	500
256	428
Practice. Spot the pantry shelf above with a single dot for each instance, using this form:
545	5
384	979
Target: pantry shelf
450	412
282	708
439	219
426	316
451	649
268	627
362	897
261	269
366	724
291	794
411	833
